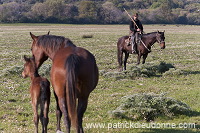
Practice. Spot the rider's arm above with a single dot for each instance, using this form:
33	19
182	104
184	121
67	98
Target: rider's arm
132	27
141	26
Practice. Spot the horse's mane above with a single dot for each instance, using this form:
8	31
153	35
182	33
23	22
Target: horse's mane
53	43
149	33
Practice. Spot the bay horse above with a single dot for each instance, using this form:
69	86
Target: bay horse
147	40
74	75
40	93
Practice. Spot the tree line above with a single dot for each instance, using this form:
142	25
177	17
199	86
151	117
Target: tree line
99	11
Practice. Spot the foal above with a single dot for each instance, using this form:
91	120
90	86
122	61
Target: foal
40	93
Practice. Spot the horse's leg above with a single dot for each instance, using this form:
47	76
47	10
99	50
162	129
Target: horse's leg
44	114
35	112
82	106
58	113
138	58
119	56
125	59
144	58
63	107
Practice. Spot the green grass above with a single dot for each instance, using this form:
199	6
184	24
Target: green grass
182	51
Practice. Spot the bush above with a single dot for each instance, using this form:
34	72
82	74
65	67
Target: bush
163	67
145	70
149	106
14	70
87	36
173	72
45	70
17	70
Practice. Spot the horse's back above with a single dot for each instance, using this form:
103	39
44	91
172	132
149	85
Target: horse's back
36	87
121	40
87	69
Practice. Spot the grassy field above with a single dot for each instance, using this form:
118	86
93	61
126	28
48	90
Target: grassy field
182	51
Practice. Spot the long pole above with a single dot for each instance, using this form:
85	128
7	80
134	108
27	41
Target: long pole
131	18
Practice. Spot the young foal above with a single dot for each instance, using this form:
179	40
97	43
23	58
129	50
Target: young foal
40	93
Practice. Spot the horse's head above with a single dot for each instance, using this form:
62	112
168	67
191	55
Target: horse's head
160	38
29	67
37	51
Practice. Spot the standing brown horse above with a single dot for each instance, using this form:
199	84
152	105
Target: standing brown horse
143	49
74	76
40	93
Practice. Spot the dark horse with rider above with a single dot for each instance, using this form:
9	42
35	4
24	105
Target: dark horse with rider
137	42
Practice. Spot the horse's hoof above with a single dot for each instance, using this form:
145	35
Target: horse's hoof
58	131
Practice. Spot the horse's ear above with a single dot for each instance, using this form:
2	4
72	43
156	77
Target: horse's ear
48	33
164	31
33	36
157	33
26	58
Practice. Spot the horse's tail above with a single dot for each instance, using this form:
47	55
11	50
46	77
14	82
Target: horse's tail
44	85
120	43
45	100
72	65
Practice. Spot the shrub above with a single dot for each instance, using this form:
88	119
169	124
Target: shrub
45	70
173	72
17	70
116	75
149	106
145	70
163	67
14	70
87	36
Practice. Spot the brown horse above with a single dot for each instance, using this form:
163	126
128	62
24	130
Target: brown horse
74	76
147	40
40	93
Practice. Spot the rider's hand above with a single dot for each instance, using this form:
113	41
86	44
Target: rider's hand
138	30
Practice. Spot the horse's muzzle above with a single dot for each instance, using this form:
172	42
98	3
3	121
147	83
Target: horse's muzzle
162	45
23	75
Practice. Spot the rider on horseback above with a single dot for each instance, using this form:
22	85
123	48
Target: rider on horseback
136	30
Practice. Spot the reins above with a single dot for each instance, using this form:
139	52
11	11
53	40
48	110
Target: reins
152	45
144	45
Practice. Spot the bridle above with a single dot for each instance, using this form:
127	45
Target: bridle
157	39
